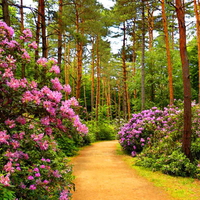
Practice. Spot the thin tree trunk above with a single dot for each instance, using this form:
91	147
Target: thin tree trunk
126	95
150	25
134	58
98	79
60	32
169	63
37	36
92	77
22	16
197	14
143	60
187	132
43	26
66	64
6	15
22	28
79	49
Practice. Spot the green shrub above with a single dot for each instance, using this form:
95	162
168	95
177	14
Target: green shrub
101	131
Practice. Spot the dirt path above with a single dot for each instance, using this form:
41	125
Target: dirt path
101	174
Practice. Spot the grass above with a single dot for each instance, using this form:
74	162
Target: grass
179	188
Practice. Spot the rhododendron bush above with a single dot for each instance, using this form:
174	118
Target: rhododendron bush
31	115
154	137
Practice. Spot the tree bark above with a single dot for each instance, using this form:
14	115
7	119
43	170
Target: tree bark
79	49
43	26
98	79
197	14
187	132
6	15
168	54
126	95
143	60
22	28
60	32
92	76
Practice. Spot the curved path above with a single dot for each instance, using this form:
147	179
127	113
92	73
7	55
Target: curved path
101	174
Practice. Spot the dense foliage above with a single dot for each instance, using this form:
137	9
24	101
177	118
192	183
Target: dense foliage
33	115
155	137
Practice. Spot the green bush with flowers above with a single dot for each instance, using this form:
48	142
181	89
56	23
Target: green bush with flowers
155	138
33	114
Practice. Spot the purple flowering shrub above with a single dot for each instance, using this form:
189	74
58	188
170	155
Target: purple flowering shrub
140	130
32	116
155	136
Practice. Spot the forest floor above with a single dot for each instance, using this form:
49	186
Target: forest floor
102	174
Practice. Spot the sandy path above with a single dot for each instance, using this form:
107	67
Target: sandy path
101	174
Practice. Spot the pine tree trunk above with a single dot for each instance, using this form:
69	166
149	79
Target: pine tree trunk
92	77
60	32
43	26
134	58
169	63
22	28
6	15
143	59
126	95
98	80
197	14
187	132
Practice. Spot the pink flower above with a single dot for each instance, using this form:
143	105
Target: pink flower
43	145
67	89
42	62
53	61
55	69
56	84
55	96
13	83
30	178
22	185
21	120
36	169
37	175
45	182
56	174
37	137
45	121
48	130
8	73
33	84
42	166
15	144
10	123
26	55
4	137
8	167
27	96
64	195
18	168
5	180
33	45
73	101
32	187
9	30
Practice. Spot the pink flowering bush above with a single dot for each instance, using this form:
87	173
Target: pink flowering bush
33	115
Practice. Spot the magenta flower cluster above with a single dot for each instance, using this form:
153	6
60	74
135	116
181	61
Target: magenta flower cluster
30	116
